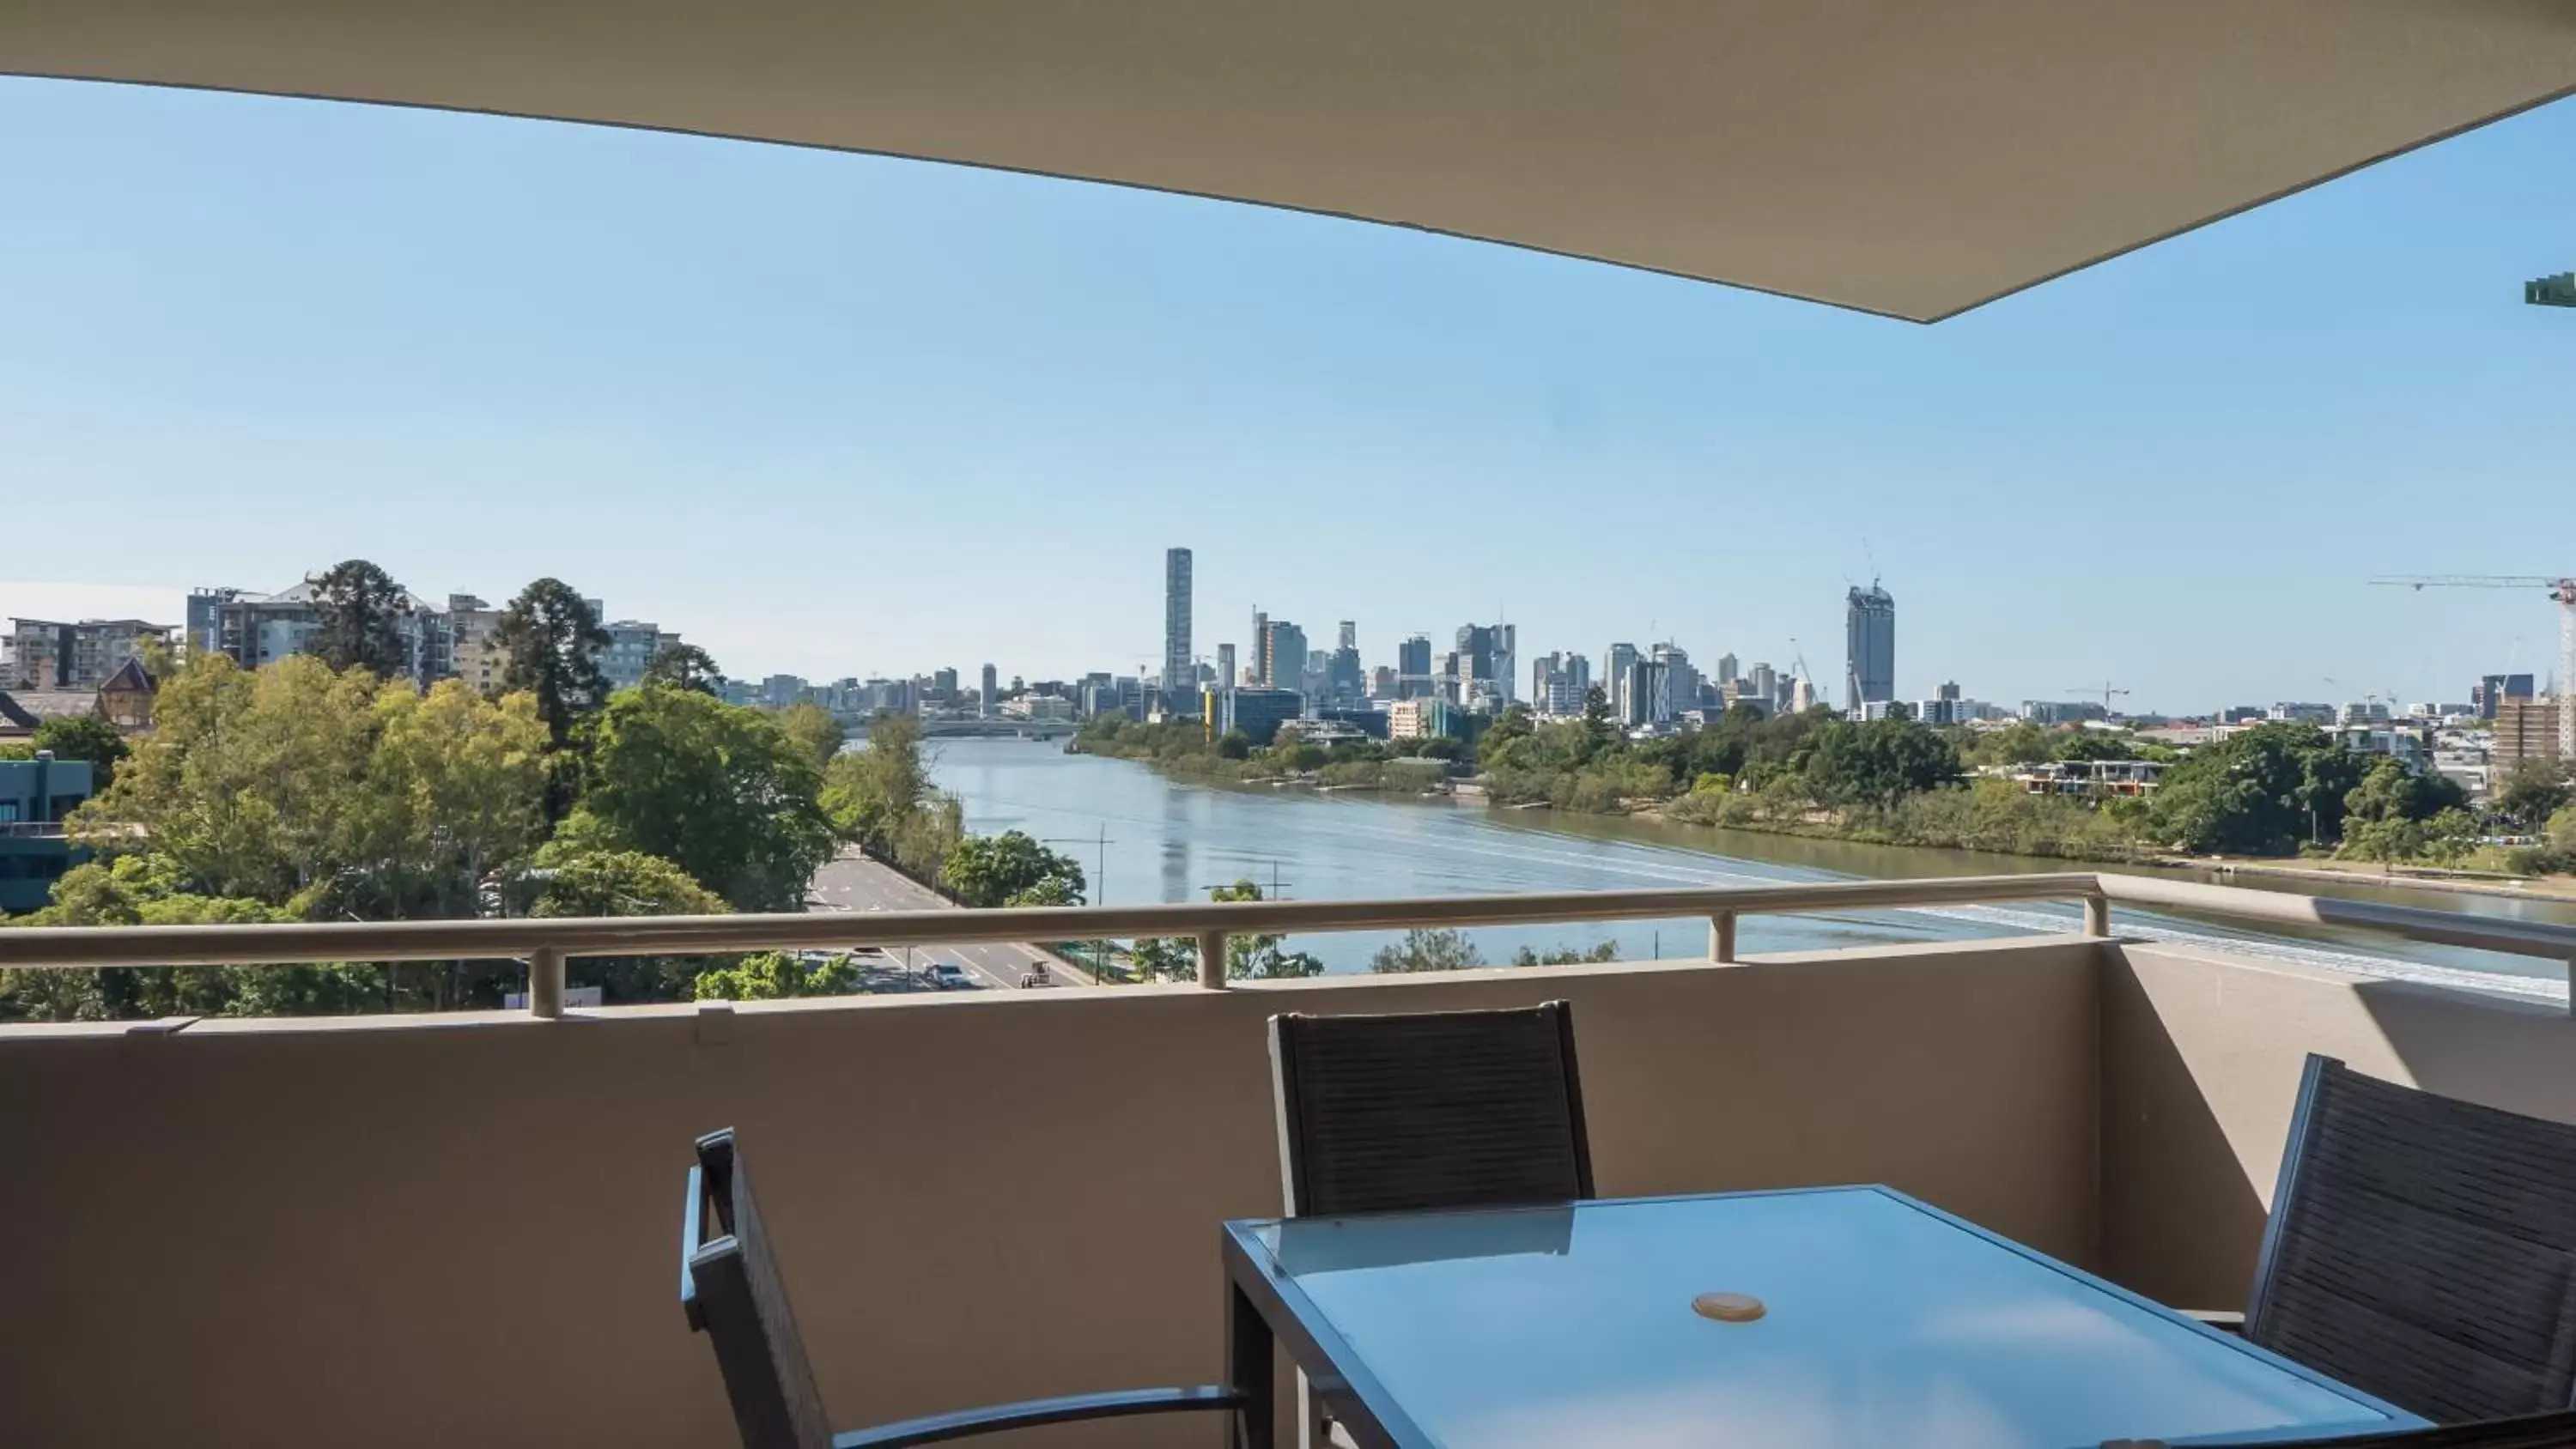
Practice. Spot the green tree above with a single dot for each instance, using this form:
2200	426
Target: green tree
2390	791
1291	752
1567	955
927	836
1427	948
773	975
1511	727
360	616
2536	790
684	666
2259	792
1879	762
2018	743
717	789
993	870
550	639
568	880
2562	830
1599	732
326	794
2088	744
1234	745
143	890
871	793
83	737
812	726
250	785
1248	957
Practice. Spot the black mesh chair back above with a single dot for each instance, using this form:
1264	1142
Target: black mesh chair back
2423	1249
731	1290
1440	1110
2531	1431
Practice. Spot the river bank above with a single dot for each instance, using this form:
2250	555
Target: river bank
1143	836
1989	817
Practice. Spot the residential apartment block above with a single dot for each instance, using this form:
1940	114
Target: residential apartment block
54	654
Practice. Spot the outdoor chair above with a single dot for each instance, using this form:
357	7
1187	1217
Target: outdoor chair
1459	1109
1453	1109
731	1289
2422	1249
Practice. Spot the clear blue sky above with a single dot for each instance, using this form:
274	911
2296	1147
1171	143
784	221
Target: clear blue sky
840	415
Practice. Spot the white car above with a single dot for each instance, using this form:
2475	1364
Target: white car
949	976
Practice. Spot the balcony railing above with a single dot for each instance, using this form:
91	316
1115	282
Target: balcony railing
458	1230
547	944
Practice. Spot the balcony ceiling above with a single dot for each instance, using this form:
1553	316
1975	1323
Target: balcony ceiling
1907	157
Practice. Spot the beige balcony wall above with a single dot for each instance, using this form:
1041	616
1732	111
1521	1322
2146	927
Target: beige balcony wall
2201	1058
465	1231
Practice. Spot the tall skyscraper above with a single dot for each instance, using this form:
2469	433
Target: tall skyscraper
1413	667
1765	682
1726	669
1261	650
1180	668
1225	677
1557	684
1642	693
1485	668
1350	636
992	702
1283	654
1680	680
1869	647
1614	671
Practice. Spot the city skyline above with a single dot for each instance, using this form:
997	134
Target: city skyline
860	452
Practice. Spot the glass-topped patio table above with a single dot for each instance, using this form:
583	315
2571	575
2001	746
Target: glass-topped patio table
1798	1320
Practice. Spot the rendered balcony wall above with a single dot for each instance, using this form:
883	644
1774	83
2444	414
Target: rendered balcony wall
464	1231
2201	1058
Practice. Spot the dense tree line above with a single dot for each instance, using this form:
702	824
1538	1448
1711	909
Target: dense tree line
330	787
2277	789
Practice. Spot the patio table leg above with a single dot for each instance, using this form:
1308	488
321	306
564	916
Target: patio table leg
1248	1371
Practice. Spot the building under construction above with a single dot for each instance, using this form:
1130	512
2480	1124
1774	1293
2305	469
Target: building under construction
2525	729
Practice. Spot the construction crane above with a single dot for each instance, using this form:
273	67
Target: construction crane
2088	691
2563	589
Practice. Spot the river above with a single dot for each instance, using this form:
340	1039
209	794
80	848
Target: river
1141	836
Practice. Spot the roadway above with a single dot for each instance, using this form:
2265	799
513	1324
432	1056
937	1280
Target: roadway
857	884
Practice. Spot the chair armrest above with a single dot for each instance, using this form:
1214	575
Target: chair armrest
1029	1413
2224	1320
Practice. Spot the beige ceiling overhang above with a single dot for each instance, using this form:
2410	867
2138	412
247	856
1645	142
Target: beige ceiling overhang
1907	157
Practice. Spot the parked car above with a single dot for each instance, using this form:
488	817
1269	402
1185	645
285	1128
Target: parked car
949	976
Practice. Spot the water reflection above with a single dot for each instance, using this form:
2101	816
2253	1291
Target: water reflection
1171	841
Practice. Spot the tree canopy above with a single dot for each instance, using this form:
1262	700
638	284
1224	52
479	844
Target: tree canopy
1428	948
718	789
360	614
549	638
812	726
1011	868
1247	957
1877	762
2259	792
684	666
83	737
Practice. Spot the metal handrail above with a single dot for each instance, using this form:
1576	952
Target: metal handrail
2415	923
547	944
